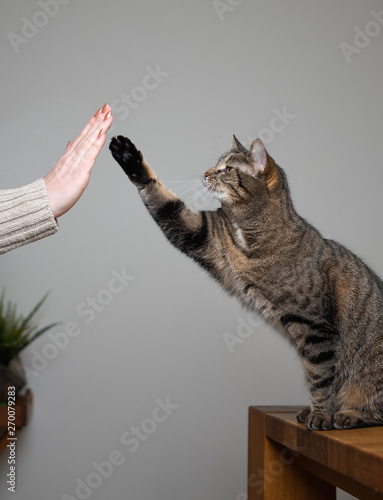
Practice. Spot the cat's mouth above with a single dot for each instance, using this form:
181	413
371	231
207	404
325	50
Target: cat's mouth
214	188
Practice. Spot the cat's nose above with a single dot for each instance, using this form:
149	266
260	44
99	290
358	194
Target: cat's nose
208	175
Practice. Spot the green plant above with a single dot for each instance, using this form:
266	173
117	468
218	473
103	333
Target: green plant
17	331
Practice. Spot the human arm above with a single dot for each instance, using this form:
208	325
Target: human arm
29	213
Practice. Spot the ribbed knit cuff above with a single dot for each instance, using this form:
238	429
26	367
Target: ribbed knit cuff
25	216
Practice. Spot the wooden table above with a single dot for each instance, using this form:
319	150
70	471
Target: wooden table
288	462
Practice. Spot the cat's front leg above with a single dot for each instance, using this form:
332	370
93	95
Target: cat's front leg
316	418
131	160
185	228
320	379
303	414
316	343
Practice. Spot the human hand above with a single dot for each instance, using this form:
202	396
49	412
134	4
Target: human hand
70	176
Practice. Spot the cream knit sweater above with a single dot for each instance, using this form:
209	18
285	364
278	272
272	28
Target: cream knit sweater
25	215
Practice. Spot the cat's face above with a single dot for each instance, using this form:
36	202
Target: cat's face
239	175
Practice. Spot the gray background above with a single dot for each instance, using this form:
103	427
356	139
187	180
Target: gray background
163	335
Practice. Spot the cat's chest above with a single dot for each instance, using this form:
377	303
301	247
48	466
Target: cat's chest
240	237
266	285
236	268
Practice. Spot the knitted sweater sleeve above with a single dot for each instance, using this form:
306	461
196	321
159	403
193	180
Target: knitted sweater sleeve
25	215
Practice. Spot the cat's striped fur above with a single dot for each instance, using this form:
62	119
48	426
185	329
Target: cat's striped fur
314	291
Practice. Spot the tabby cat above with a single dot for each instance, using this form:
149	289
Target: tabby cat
314	291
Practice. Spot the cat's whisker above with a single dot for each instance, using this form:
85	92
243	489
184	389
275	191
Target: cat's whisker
192	198
205	193
220	146
197	195
200	193
211	191
183	185
192	180
189	189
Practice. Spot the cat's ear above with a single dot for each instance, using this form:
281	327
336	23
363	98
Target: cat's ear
237	146
258	155
265	165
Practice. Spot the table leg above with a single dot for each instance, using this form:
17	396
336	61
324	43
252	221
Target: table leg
273	473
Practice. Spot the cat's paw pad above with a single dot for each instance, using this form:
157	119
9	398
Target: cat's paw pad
347	419
303	414
319	422
127	155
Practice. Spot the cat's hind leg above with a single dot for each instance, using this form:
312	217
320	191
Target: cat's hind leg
358	418
355	409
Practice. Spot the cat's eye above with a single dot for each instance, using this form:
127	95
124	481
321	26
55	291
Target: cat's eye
228	169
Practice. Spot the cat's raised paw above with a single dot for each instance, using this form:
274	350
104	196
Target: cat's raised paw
319	422
127	156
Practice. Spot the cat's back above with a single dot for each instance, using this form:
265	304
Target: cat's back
344	263
357	291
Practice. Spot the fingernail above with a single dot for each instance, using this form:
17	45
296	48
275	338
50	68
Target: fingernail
97	112
107	116
100	133
104	107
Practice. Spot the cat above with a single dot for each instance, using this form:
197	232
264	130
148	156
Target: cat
318	294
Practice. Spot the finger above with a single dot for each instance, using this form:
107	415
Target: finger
85	131
94	130
92	123
90	146
95	148
96	121
87	141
